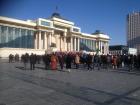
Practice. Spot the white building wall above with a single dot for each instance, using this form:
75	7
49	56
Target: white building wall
5	52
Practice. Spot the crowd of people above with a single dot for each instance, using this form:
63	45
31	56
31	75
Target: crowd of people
76	60
13	58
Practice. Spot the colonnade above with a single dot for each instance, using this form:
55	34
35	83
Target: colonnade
45	40
42	40
103	47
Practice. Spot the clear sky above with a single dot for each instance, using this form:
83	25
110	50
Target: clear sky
109	16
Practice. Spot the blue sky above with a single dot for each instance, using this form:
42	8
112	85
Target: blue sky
109	16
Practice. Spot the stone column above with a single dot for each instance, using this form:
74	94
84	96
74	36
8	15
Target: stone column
78	44
57	41
60	43
107	48
50	34
97	44
45	40
47	35
35	40
71	44
65	43
101	48
74	43
39	35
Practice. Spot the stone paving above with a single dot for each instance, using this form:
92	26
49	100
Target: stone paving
79	87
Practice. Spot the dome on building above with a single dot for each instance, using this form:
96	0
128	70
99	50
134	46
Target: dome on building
97	32
57	15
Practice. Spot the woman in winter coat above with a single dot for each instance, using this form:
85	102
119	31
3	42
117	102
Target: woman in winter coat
77	61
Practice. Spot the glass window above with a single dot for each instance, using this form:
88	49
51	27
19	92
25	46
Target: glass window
17	38
0	35
91	44
44	23
3	36
75	29
94	45
30	39
10	37
23	38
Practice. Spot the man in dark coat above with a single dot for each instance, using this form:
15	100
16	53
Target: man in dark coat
46	60
61	61
32	61
68	62
89	61
25	59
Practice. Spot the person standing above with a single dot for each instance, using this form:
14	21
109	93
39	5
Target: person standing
53	62
68	62
17	58
77	61
93	62
25	59
89	61
61	61
46	60
32	61
114	62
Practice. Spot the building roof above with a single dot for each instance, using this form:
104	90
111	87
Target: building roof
97	32
2	18
57	15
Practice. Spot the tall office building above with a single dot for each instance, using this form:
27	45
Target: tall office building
133	30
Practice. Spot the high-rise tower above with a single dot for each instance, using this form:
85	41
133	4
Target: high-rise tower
133	30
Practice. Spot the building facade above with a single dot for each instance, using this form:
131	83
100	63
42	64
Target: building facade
118	50
55	32
133	30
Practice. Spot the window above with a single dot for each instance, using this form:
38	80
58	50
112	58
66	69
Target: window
3	35
23	38
0	34
30	38
11	36
44	23
75	29
17	37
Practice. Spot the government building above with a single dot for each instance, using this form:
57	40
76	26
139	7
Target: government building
54	33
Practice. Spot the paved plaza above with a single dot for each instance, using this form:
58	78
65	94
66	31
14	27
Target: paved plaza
79	87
